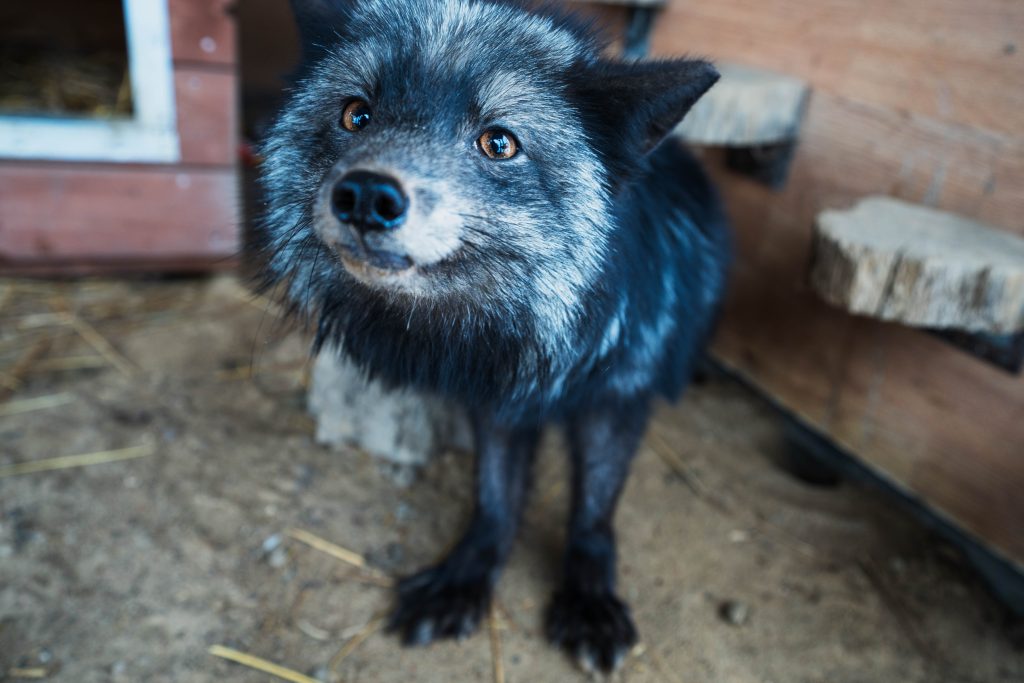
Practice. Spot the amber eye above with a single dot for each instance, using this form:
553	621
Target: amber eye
498	144
356	115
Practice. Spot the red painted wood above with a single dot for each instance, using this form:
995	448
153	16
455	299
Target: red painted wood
207	115
61	212
202	31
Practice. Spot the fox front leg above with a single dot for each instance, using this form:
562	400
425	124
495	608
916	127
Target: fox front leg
449	599
586	617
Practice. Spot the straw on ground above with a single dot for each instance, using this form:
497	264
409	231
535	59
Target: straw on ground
38	403
355	641
497	661
323	545
83	460
260	664
100	343
344	554
14	375
71	363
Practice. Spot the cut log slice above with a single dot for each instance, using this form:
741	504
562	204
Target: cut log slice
897	261
747	107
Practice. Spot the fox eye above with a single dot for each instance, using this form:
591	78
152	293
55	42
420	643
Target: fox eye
355	116
498	144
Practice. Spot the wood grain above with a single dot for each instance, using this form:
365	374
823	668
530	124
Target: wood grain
610	19
943	425
207	115
912	99
203	31
84	212
746	107
893	260
79	217
956	61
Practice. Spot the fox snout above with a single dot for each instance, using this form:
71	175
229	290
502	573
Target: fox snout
369	202
362	212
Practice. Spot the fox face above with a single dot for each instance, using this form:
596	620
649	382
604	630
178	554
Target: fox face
434	151
459	152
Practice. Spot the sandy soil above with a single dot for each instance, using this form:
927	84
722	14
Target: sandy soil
132	570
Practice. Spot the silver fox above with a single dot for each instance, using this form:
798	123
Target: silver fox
470	200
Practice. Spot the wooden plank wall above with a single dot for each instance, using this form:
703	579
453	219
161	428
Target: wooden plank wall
610	17
918	99
75	216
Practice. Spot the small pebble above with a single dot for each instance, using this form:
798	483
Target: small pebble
271	543
734	612
738	536
278	558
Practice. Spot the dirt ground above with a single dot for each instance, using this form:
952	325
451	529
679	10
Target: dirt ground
131	570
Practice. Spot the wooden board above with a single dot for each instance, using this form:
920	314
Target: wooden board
206	101
203	31
610	18
919	100
956	61
62	213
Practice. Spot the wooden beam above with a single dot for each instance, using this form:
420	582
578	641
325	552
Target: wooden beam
207	115
87	212
203	31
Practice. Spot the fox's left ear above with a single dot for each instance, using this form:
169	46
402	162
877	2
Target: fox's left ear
639	103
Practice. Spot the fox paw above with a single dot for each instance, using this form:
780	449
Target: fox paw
594	628
432	606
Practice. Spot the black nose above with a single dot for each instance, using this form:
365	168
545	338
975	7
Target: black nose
369	201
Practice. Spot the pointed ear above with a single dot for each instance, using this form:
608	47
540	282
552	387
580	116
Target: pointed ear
319	23
640	103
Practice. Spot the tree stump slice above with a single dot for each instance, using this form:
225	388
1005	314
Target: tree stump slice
897	261
748	107
403	427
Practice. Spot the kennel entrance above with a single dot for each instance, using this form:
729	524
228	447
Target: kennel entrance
118	136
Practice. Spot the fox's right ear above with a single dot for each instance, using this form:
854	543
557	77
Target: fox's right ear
641	102
319	23
630	107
